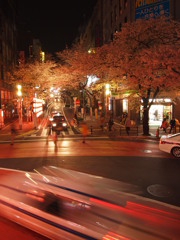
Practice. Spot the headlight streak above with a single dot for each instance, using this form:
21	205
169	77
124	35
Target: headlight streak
44	178
29	177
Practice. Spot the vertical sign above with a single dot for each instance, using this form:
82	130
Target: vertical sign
151	8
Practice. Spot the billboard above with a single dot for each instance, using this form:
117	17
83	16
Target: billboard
151	8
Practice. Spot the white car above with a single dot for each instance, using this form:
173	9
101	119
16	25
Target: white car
170	144
66	205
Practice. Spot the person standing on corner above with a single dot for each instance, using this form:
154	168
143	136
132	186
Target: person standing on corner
127	125
172	124
164	124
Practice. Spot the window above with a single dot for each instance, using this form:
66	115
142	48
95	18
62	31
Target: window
120	7
125	4
125	19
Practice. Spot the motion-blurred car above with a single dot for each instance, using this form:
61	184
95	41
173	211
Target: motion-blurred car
170	144
64	204
59	123
53	113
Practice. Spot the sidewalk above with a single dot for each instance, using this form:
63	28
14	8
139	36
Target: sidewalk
27	127
94	128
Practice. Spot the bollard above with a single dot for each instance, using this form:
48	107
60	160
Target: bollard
91	129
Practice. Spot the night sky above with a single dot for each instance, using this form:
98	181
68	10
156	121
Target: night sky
55	23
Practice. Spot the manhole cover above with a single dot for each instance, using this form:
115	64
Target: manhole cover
147	151
158	190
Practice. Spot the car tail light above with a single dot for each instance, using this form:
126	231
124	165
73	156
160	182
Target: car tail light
37	198
162	142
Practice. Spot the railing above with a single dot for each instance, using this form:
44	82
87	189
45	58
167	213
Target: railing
134	130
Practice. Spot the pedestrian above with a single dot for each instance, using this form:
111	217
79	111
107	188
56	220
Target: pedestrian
110	123
127	125
84	131
102	123
13	133
76	119
55	141
49	129
164	124
172	124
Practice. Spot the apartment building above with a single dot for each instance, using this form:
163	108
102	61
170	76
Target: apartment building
8	49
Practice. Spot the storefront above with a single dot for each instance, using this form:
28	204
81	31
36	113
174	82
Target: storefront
161	108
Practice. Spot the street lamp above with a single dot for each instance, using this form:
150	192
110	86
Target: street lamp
19	93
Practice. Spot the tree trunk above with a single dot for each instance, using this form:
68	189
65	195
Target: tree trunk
145	117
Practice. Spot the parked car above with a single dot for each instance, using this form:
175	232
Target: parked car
170	144
59	123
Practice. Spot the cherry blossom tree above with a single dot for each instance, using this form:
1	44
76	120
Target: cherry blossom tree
144	58
33	77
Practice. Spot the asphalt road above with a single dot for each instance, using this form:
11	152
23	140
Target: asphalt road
139	164
156	174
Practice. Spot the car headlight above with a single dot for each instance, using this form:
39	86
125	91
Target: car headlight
51	119
54	124
64	124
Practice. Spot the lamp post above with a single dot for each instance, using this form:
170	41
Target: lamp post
19	93
107	98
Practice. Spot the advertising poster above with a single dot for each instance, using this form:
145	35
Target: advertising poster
151	8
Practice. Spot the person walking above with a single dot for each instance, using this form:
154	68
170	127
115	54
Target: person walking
110	123
55	138
102	123
127	125
49	129
76	119
172	124
84	131
13	133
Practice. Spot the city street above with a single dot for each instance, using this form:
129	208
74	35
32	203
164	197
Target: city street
135	161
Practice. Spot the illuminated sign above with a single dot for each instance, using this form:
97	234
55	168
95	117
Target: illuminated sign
151	8
37	106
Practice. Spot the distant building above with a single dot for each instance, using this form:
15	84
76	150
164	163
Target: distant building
8	50
28	47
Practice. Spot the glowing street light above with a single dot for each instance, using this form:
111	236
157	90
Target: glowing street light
19	93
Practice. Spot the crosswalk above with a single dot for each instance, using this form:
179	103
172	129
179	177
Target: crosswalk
44	132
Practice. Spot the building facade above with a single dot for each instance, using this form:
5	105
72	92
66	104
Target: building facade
107	18
8	50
